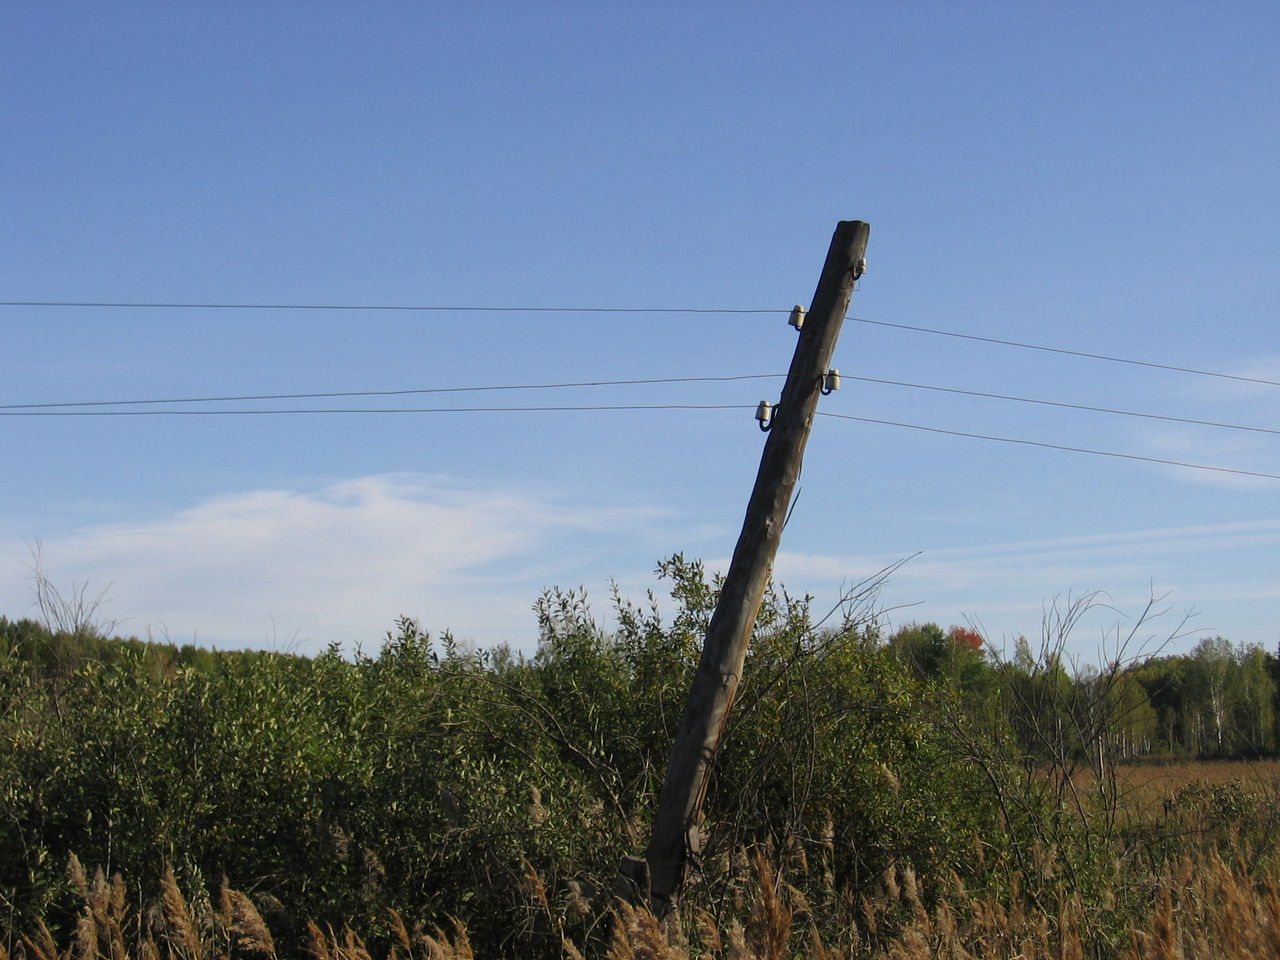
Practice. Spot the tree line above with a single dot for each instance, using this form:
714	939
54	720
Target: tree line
1217	701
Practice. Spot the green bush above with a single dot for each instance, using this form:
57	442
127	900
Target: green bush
447	782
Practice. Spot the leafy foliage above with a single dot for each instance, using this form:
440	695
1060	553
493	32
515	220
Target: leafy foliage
437	781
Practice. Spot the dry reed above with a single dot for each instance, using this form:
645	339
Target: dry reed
1202	908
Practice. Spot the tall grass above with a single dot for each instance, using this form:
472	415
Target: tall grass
1196	907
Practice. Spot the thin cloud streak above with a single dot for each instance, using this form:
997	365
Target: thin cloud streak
1160	539
338	564
1007	585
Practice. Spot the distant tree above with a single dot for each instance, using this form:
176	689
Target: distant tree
1218	700
965	637
1252	708
1165	681
935	654
1134	728
1212	661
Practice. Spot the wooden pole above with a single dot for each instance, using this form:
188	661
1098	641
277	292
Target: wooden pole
659	875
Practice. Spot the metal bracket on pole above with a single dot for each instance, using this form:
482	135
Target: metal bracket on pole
764	413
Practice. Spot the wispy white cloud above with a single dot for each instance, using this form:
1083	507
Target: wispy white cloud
1223	401
337	564
1260	367
1007	585
1022	552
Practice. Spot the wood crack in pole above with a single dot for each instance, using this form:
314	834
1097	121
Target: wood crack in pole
657	877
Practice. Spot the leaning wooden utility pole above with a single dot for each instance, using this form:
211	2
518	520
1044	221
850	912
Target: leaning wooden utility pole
657	878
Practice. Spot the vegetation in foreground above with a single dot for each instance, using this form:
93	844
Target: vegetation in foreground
1200	909
902	796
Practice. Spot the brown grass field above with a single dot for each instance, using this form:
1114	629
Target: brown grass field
1146	786
1203	794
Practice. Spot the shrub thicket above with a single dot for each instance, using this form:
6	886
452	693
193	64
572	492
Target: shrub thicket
438	782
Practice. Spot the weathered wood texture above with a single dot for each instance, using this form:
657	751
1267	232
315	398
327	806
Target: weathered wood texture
725	648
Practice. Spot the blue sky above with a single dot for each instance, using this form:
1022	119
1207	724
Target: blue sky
1095	177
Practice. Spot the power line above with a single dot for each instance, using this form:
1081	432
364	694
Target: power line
610	407
1069	353
1053	446
634	382
1068	406
411	308
444	308
392	393
305	410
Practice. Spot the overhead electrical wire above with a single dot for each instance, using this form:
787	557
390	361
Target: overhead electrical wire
1065	352
444	308
1067	406
608	407
392	393
305	410
410	308
632	382
1052	446
45	409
